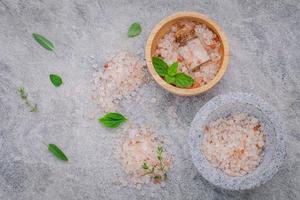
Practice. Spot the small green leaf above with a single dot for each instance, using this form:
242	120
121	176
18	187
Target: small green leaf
157	177
159	152
183	80
22	93
112	120
161	67
56	80
44	42
172	71
134	30
170	79
57	152
33	108
145	166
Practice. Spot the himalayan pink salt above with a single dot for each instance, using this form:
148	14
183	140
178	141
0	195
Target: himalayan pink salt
140	146
122	75
196	47
234	144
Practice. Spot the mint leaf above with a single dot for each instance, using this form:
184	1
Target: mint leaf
44	42
183	80
134	30
170	79
57	152
160	66
112	120
56	80
172	70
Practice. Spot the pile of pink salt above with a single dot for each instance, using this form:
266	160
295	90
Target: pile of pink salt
138	147
234	144
122	75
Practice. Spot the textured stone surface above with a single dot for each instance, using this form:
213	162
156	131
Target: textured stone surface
273	127
264	43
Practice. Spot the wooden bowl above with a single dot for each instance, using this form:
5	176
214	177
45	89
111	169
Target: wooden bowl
162	28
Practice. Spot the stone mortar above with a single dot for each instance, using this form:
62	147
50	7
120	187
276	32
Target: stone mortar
274	152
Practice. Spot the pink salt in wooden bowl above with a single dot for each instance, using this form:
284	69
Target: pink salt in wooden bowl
162	28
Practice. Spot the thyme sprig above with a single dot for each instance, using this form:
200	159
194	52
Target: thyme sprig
23	94
158	171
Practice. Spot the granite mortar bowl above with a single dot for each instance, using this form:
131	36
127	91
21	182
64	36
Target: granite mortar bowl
162	28
274	150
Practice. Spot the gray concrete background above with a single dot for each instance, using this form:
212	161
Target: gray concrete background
264	43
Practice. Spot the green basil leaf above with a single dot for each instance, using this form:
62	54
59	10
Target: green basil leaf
57	152
172	70
44	42
170	79
56	80
160	66
112	120
183	80
134	30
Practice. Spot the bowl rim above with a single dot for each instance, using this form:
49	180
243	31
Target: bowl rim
184	91
239	183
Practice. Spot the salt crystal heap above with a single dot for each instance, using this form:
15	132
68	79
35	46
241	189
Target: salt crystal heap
234	144
140	147
121	76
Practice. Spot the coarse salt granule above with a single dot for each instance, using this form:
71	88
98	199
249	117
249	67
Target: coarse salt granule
121	76
234	144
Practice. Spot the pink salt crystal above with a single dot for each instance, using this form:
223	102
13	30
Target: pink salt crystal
95	66
233	144
194	53
91	116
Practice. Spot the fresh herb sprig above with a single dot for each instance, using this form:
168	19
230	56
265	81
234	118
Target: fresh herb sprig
23	94
158	172
171	74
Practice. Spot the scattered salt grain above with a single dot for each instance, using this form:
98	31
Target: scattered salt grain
153	100
163	184
95	67
91	116
139	186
